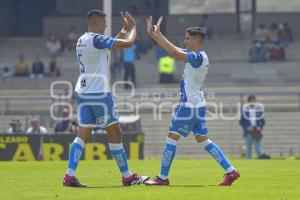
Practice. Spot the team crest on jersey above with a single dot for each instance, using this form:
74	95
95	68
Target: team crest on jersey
102	121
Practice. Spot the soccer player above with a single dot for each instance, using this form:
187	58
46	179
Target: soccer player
189	115
96	106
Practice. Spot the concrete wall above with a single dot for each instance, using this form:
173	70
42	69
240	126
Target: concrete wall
176	24
60	25
222	24
77	7
6	17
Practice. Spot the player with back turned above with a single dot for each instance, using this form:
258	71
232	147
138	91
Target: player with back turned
96	106
189	115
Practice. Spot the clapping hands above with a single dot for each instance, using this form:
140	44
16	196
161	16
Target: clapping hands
153	30
128	21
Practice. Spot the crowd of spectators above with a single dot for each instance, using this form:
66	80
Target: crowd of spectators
67	124
34	128
270	44
54	48
37	69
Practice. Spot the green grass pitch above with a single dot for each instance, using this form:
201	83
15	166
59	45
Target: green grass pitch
190	179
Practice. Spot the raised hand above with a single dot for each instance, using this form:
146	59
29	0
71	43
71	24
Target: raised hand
150	26
125	22
157	26
156	31
130	20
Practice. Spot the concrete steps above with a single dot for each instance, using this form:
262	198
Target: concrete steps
280	136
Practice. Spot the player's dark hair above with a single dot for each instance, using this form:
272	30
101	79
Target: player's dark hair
251	98
196	31
95	13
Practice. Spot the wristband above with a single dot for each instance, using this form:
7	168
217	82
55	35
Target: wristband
123	31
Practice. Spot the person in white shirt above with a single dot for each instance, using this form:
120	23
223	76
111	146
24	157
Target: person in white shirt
53	46
96	106
36	128
190	113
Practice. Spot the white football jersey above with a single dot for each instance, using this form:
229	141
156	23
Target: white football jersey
192	82
92	55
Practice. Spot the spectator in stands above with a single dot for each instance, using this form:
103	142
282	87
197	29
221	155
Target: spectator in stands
261	33
284	35
53	46
62	44
71	39
288	31
53	68
6	73
207	26
273	33
166	69
129	57
258	53
36	128
15	127
38	68
277	52
64	126
252	121
21	67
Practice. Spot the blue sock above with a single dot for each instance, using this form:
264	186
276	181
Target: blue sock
216	152
168	156
118	153
75	155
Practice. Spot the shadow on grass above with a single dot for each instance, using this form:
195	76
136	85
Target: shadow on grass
105	187
191	186
156	186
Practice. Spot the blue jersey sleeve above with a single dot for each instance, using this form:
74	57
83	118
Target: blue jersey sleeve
194	58
103	42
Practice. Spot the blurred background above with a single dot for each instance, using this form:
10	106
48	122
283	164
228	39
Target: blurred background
252	45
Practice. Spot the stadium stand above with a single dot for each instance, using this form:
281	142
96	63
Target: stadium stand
229	73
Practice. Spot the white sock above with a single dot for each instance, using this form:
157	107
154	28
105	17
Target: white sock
70	172
126	174
79	141
205	143
163	177
229	170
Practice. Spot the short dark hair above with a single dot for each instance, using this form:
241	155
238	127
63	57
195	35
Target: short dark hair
97	13
196	31
251	98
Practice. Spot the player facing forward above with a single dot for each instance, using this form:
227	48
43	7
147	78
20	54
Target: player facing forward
190	113
96	106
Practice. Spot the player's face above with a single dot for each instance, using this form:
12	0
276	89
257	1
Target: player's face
192	42
252	102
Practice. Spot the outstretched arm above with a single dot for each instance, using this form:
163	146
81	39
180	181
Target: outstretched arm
126	38
162	41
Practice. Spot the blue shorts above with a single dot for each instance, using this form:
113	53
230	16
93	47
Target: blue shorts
96	109
187	119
